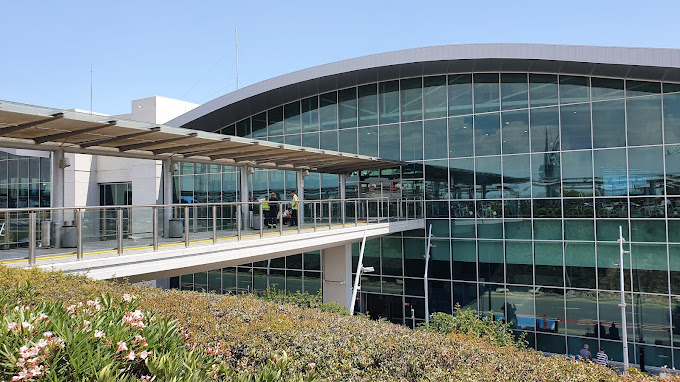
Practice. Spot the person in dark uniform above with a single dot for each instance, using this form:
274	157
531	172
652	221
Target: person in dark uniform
273	210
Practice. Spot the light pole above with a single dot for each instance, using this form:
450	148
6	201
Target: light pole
622	305
360	269
425	280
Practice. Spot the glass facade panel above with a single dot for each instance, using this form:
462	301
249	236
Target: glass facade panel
645	171
389	142
542	89
310	115
609	124
545	129
644	121
412	99
460	137
575	121
514	91
486	91
436	139
487	134
328	111
411	141
434	97
606	88
515	132
347	108
388	100
574	89
292	123
368	105
517	176
460	94
610	172
671	118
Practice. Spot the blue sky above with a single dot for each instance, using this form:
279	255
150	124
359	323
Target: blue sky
185	49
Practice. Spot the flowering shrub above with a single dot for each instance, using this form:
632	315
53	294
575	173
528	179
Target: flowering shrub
303	300
257	340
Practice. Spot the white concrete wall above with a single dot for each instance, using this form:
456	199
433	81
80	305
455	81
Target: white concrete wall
337	274
80	184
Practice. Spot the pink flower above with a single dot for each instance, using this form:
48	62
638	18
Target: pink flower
127	297
26	326
42	343
12	326
47	334
121	346
145	378
144	354
139	338
71	310
99	334
131	356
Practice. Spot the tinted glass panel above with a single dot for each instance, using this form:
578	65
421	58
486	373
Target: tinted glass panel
368	105
609	124
348	140
434	96
460	137
486	92
542	89
577	173
460	94
641	88
671	117
645	171
435	139
672	154
292	118
275	121
575	127
412	99
514	91
328	111
310	115
610	172
411	141
545	170
516	176
389	142
368	141
260	125
487	134
574	89
389	101
515	131
606	88
347	107
545	129
488	177
644	120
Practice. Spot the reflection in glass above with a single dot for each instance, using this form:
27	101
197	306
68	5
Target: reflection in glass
368	141
580	264
275	121
328	111
671	117
519	259
645	171
545	129
515	132
460	94
368	105
310	115
542	89
606	88
460	137
581	313
516	176
434	96
435	139
550	311
609	124
575	120
574	89
610	172
577	173
348	141
486	92
292	123
389	142
487	134
488	177
514	91
464	254
462	178
436	180
545	176
389	101
644	121
411	141
347	107
642	88
548	263
412	99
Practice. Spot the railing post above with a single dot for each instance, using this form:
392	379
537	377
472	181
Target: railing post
31	238
344	211
261	221
280	218
238	221
119	230
79	233
186	226
154	216
214	223
7	225
367	211
406	205
330	215
314	215
356	212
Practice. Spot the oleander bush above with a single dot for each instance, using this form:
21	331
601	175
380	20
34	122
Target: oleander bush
268	341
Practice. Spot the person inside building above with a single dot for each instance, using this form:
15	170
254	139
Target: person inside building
585	353
265	210
601	358
294	208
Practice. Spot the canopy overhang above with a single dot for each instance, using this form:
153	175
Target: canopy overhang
46	129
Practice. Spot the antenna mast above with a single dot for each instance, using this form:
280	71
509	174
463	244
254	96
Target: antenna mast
236	37
90	88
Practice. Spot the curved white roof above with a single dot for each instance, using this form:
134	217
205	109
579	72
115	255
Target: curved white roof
639	63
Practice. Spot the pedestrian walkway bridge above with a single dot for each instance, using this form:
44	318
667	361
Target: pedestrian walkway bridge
152	242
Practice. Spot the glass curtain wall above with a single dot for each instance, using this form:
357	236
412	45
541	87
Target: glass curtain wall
526	179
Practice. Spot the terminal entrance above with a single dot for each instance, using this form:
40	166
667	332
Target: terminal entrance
380	306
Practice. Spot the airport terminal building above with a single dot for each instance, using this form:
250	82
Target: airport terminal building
525	158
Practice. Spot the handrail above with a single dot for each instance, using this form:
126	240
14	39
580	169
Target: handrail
203	217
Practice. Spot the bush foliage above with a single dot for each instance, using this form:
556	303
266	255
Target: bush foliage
268	341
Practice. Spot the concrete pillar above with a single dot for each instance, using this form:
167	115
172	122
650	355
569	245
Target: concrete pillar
245	215
343	196
337	274
167	195
58	165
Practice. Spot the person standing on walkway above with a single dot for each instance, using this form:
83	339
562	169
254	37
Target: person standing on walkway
601	358
273	210
294	207
585	353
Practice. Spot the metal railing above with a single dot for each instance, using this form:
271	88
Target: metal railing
32	233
